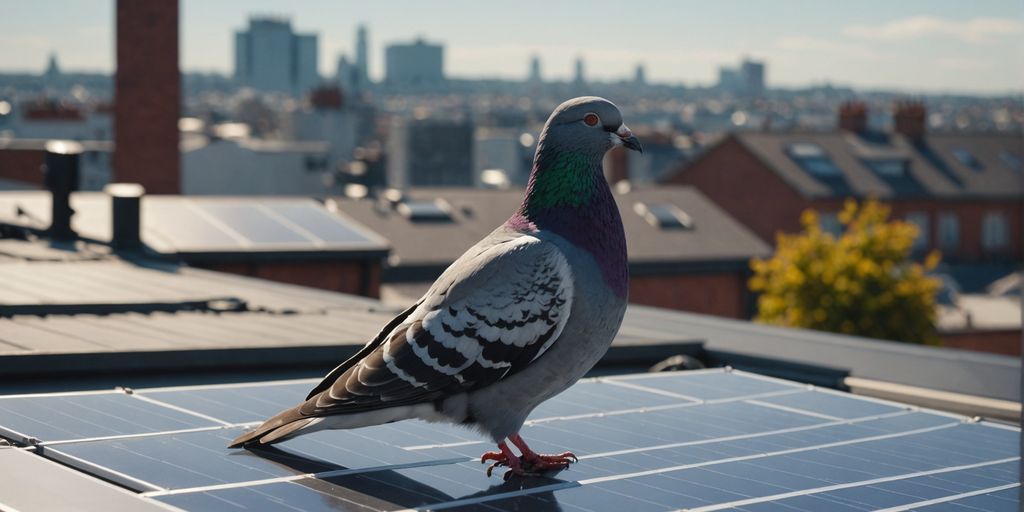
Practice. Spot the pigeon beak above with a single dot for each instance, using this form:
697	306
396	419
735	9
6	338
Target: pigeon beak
628	139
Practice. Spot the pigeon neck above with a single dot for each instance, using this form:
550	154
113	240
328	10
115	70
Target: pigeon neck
568	195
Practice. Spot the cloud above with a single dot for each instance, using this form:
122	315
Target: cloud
974	31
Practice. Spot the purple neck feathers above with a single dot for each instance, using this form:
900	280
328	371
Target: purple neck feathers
576	203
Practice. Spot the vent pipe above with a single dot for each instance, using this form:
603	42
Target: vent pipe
60	174
126	202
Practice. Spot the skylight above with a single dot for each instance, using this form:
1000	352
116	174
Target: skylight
425	211
967	158
896	173
1012	161
664	215
813	159
888	168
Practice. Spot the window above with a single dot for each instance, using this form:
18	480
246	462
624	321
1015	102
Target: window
994	231
919	219
829	223
949	231
967	159
664	215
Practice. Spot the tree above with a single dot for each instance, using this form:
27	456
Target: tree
862	282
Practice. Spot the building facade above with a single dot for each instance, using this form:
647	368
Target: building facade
271	57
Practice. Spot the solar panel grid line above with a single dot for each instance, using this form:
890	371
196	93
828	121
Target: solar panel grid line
111	475
653	408
61	393
738	437
947	499
860	483
794	410
291	478
229	385
181	409
616	477
142	434
688	373
440	445
866	398
624	476
315	240
655	391
493	497
217	223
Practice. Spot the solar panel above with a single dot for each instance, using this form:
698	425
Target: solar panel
701	440
253	222
321	224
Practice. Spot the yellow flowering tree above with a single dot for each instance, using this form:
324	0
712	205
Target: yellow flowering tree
862	282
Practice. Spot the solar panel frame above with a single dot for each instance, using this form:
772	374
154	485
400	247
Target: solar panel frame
778	433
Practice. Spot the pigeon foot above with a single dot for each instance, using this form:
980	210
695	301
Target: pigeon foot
540	462
530	463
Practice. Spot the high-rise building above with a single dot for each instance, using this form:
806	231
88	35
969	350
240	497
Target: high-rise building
752	74
269	56
362	59
535	76
414	65
345	73
430	152
578	76
147	96
640	75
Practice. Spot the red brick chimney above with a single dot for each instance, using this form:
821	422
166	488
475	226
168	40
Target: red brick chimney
147	97
908	119
853	117
326	98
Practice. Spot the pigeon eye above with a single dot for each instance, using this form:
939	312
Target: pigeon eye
591	119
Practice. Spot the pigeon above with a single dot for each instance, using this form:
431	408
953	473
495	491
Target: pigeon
517	319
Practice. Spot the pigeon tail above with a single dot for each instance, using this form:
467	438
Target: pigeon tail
292	422
275	429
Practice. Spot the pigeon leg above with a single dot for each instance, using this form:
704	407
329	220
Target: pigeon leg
535	462
505	457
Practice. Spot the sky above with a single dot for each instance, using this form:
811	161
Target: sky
970	46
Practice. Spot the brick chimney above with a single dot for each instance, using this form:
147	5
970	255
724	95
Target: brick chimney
908	119
853	117
326	98
147	97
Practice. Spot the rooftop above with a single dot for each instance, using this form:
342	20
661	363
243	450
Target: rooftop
944	166
710	237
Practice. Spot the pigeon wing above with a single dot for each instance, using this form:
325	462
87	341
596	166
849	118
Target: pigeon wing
491	314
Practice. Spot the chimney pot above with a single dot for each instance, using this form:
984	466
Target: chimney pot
853	117
126	202
60	174
909	119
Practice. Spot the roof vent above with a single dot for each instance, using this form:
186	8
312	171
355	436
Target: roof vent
437	210
664	215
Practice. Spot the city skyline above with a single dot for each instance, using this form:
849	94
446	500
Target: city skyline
912	46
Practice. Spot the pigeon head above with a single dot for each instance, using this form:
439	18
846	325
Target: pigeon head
567	169
589	125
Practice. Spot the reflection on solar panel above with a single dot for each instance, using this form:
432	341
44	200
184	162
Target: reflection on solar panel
703	440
